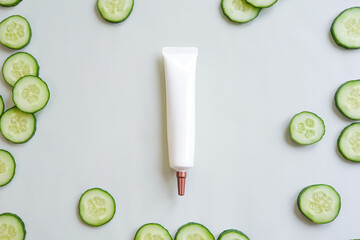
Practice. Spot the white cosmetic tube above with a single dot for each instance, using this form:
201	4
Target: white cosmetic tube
180	68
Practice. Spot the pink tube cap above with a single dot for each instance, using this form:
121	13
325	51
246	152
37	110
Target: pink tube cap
181	177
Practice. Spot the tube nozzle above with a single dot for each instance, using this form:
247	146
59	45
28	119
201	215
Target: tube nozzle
181	177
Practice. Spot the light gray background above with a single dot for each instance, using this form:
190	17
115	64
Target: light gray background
105	123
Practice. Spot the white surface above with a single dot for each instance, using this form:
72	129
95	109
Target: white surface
180	73
105	123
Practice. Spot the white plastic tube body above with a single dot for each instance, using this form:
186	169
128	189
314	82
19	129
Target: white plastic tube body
180	68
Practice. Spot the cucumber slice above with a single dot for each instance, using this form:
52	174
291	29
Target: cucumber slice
307	128
30	94
239	10
349	142
9	3
193	231
115	11
7	168
232	234
15	32
11	227
17	126
19	65
320	203
261	3
345	29
347	99
2	105
152	231
96	207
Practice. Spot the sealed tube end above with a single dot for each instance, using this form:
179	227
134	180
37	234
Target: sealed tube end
181	177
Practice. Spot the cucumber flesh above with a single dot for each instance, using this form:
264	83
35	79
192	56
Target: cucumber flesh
345	29
115	11
7	168
232	234
261	3
306	128
11	227
2	105
320	203
239	10
152	231
30	94
96	207
9	3
19	65
15	32
193	231
17	126
347	99
349	142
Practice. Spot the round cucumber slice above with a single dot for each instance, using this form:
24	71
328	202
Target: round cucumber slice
320	203
9	3
31	94
349	142
11	227
19	65
345	29
96	207
307	128
15	32
17	126
239	10
152	231
7	167
2	105
232	234
261	3
115	11
193	231
347	99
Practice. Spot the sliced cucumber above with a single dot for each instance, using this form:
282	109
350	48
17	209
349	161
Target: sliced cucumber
239	10
115	11
17	126
349	142
15	32
7	168
152	231
11	227
345	29
232	234
307	128
19	65
261	3
347	99
9	3
320	203
2	105
96	207
30	94
193	231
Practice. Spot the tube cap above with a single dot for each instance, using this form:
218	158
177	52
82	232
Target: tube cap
181	177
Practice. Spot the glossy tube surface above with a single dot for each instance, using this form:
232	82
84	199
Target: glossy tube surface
180	68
